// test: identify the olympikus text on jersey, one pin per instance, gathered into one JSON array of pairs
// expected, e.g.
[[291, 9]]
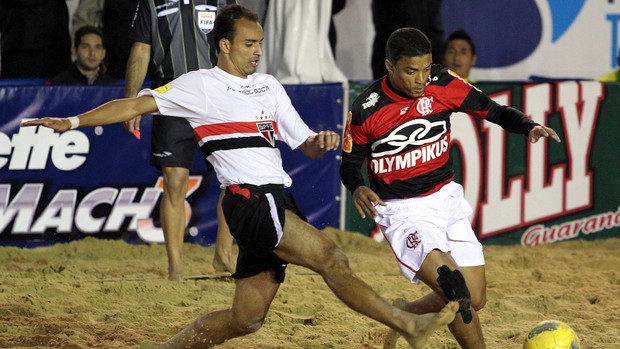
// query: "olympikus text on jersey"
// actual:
[[236, 122], [406, 141]]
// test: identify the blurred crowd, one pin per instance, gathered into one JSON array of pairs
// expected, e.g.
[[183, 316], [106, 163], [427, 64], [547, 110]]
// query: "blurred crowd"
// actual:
[[38, 38]]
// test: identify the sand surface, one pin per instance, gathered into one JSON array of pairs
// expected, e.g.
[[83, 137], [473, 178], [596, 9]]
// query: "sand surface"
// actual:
[[109, 294]]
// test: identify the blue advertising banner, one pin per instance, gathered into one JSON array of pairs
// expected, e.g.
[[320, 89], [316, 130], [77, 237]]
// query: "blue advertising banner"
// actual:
[[96, 181]]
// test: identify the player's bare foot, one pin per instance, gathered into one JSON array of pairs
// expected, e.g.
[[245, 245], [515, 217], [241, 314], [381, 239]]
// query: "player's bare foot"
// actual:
[[150, 345], [392, 336], [426, 324], [224, 262], [175, 274]]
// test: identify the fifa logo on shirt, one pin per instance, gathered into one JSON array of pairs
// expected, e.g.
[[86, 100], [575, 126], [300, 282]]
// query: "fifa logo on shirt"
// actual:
[[425, 105], [267, 130]]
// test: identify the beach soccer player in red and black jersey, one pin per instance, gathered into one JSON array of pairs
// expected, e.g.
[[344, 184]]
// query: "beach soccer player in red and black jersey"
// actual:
[[400, 127]]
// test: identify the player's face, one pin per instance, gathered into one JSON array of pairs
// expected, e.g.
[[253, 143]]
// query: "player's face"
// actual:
[[409, 75], [90, 52], [459, 57], [246, 47]]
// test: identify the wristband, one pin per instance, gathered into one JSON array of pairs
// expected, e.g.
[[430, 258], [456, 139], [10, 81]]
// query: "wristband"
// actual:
[[75, 122]]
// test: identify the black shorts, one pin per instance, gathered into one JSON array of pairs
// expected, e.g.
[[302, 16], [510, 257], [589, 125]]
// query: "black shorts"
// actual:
[[173, 143], [255, 216]]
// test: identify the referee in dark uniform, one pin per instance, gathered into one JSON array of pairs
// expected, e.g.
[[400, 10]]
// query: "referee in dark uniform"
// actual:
[[173, 38]]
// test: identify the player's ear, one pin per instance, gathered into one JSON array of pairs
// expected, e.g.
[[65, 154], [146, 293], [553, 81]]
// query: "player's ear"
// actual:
[[389, 66], [225, 45]]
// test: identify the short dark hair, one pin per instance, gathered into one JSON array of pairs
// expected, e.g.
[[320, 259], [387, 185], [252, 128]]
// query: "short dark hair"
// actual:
[[87, 29], [408, 42], [461, 34], [227, 16]]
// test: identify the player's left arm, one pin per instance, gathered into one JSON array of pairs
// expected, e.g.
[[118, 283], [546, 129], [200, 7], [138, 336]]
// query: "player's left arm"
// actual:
[[513, 120], [319, 144]]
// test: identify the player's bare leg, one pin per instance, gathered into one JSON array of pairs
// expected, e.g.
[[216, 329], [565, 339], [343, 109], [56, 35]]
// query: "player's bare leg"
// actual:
[[172, 215], [468, 335], [223, 260], [251, 302], [392, 336], [304, 245]]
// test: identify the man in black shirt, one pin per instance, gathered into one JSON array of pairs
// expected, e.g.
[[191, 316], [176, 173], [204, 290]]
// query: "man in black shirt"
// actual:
[[174, 37], [88, 68]]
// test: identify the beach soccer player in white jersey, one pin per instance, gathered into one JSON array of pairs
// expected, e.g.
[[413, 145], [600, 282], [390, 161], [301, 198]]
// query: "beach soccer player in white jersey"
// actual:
[[237, 115]]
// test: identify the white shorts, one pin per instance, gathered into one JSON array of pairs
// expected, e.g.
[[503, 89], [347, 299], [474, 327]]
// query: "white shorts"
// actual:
[[414, 227]]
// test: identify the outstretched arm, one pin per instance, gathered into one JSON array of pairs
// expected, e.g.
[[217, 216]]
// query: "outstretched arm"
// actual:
[[317, 145], [118, 110]]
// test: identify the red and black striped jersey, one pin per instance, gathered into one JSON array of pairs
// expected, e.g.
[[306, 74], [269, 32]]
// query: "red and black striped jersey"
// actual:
[[405, 141]]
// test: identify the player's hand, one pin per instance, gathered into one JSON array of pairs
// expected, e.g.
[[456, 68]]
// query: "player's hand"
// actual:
[[328, 140], [57, 124], [365, 201], [542, 131], [133, 126], [317, 145]]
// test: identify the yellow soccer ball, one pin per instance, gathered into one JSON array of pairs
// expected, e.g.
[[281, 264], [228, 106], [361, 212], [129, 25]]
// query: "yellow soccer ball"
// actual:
[[551, 334]]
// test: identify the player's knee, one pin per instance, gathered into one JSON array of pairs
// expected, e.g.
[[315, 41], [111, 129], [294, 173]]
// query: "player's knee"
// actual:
[[478, 300], [175, 180], [334, 259]]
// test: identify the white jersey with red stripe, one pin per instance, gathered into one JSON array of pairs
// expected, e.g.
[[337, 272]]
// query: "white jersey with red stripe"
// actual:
[[237, 122]]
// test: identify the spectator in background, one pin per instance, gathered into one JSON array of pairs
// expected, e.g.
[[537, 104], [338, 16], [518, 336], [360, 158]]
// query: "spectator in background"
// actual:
[[114, 18], [389, 15], [160, 38], [35, 38], [613, 75], [337, 6], [88, 67], [460, 54]]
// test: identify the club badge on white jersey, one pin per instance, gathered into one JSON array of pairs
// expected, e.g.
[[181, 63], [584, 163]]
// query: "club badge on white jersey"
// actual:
[[267, 130]]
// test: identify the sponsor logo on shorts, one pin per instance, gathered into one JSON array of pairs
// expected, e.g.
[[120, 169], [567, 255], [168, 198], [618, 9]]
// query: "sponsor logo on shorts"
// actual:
[[413, 240], [163, 154]]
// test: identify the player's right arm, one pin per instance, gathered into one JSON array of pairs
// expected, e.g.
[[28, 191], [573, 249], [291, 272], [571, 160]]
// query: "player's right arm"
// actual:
[[118, 110], [353, 156], [137, 66]]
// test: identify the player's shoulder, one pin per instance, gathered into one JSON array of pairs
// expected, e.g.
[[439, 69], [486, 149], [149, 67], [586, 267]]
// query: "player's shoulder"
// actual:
[[369, 97], [441, 76]]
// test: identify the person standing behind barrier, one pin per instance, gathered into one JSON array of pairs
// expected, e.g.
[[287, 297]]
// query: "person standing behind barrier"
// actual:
[[35, 39], [88, 67], [389, 15], [459, 54], [114, 18], [175, 38], [400, 126]]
